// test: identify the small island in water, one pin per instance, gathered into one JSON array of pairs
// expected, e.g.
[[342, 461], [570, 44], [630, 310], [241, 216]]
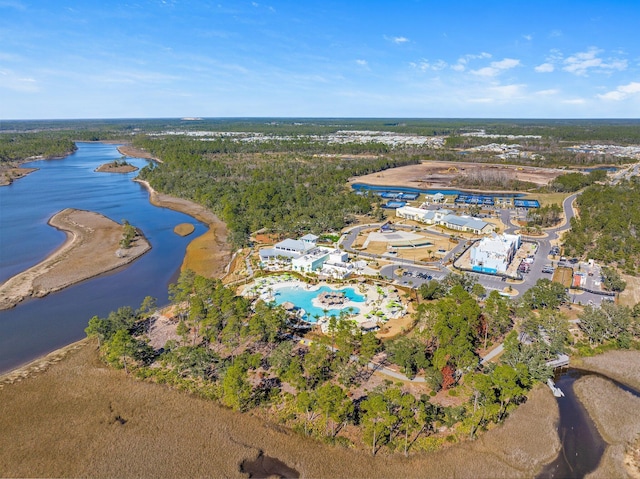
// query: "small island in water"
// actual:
[[95, 244], [184, 229], [117, 166]]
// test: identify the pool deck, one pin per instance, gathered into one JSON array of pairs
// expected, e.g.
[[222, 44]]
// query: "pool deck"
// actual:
[[374, 306]]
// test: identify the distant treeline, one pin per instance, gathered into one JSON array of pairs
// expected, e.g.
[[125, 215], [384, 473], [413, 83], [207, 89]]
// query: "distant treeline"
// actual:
[[625, 131], [19, 147]]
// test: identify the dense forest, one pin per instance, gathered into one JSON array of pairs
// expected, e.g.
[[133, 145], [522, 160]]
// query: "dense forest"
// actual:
[[609, 225], [18, 147], [283, 192], [247, 356]]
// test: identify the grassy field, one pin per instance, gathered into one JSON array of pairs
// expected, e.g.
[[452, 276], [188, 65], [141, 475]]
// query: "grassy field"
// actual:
[[79, 418], [547, 199], [563, 276], [631, 295]]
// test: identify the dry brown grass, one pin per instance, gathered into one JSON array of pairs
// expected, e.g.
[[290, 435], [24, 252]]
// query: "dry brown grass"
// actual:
[[564, 276], [80, 418], [623, 366], [631, 295], [611, 465], [613, 410]]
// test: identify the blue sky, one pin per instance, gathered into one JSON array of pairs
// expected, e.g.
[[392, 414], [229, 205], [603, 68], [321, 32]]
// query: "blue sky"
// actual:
[[396, 58]]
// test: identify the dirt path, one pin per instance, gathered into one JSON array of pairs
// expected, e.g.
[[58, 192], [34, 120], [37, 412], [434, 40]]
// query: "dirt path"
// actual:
[[442, 174], [92, 247]]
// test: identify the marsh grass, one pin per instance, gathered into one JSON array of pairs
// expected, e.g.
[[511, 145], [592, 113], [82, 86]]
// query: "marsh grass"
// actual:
[[623, 366], [79, 418], [614, 411]]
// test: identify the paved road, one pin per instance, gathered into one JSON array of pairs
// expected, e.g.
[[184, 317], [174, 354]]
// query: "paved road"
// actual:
[[419, 272]]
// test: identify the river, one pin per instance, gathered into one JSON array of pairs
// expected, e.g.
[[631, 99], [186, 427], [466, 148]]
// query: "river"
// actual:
[[39, 326], [582, 444]]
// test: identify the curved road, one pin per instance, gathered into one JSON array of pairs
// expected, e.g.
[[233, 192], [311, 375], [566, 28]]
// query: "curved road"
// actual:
[[416, 273]]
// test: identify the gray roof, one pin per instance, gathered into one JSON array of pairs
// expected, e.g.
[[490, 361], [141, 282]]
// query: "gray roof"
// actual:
[[309, 237], [471, 223], [291, 244], [476, 224]]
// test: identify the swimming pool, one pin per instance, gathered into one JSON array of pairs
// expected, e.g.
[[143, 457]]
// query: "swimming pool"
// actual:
[[302, 298]]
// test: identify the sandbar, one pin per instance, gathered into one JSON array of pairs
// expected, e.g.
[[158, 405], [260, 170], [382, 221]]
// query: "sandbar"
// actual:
[[92, 247], [8, 175], [209, 254], [133, 152], [184, 229]]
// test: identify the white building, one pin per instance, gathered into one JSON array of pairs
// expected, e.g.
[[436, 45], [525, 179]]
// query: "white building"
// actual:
[[467, 224], [305, 256], [430, 217], [290, 248], [445, 218], [494, 253], [337, 266], [311, 260]]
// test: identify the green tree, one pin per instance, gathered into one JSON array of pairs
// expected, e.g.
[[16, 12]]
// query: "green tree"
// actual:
[[377, 420], [236, 390], [545, 294]]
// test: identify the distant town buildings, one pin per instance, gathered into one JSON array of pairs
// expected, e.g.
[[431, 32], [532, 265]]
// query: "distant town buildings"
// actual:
[[494, 253]]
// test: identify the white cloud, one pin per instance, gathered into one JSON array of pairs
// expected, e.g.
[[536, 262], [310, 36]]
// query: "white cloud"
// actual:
[[575, 101], [544, 68], [496, 68], [362, 63], [549, 92], [13, 81], [528, 37], [425, 65], [396, 40], [505, 92], [463, 61], [622, 92], [583, 62]]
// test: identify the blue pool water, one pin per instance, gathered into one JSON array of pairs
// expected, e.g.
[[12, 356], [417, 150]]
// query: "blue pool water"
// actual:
[[302, 299]]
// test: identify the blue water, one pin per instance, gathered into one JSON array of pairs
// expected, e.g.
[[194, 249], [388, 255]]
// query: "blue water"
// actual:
[[38, 326], [428, 191], [302, 299]]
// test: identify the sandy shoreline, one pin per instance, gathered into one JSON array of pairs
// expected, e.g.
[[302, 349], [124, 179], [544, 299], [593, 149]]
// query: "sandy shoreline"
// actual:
[[210, 253], [91, 248], [133, 152]]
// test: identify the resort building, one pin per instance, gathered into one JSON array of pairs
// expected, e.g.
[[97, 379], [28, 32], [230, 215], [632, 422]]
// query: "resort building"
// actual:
[[467, 224], [337, 266], [430, 217], [445, 218], [494, 253], [305, 256], [290, 248], [311, 261]]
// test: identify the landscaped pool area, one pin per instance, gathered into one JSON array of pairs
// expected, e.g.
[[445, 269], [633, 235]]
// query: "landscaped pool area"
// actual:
[[304, 299], [369, 305]]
